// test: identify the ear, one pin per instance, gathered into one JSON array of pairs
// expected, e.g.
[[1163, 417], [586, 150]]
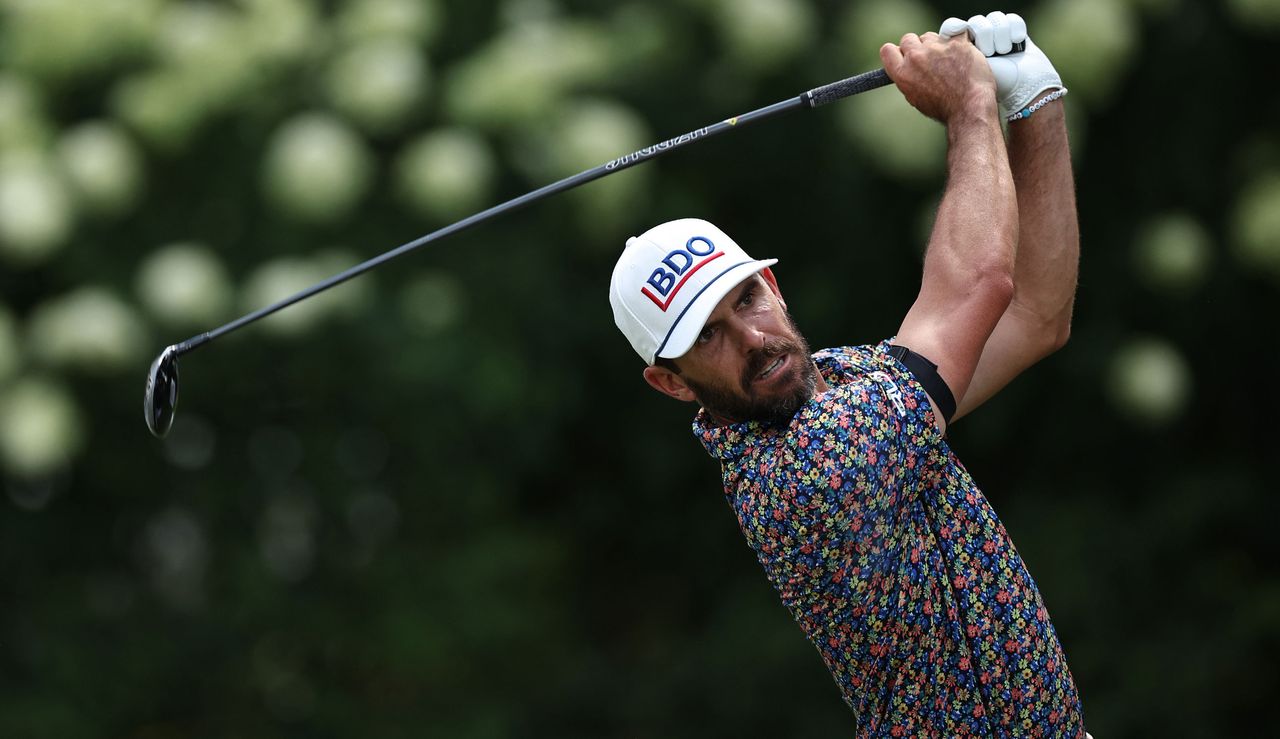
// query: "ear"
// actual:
[[668, 383], [772, 282]]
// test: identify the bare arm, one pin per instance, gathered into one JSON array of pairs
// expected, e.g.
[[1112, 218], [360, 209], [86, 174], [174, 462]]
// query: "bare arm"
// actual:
[[968, 270], [1038, 320]]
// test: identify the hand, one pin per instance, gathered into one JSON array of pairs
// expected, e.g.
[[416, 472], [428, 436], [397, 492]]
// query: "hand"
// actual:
[[939, 77], [1020, 77]]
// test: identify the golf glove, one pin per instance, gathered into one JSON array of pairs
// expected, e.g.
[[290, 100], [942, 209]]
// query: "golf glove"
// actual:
[[1020, 77]]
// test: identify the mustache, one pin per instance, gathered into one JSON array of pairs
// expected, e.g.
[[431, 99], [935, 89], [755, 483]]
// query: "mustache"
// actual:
[[772, 349]]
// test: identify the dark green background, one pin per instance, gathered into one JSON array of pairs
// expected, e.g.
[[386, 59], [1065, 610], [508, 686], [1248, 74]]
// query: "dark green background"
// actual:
[[499, 530]]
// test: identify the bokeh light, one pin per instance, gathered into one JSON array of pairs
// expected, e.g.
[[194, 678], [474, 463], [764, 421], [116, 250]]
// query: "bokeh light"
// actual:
[[895, 138], [586, 134], [867, 26], [522, 75], [205, 51], [1090, 43], [446, 174], [10, 349], [36, 214], [282, 32], [197, 33], [379, 83], [184, 283], [211, 58], [415, 20], [160, 106], [761, 34], [58, 39], [279, 278], [102, 165], [40, 427], [1150, 381], [1256, 223], [22, 117], [89, 329], [317, 168], [1172, 253], [1254, 14]]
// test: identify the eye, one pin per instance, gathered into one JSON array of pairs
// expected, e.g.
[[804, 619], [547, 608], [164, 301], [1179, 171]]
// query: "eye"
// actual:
[[707, 334], [747, 296]]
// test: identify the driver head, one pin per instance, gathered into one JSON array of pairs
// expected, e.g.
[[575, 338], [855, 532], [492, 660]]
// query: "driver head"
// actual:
[[161, 398]]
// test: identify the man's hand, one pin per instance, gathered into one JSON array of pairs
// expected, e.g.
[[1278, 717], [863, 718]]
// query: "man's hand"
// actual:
[[1020, 77], [940, 77]]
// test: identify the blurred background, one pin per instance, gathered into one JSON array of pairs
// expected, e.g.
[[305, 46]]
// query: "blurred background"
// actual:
[[440, 500]]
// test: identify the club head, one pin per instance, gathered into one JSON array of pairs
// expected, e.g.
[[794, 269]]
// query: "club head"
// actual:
[[161, 398]]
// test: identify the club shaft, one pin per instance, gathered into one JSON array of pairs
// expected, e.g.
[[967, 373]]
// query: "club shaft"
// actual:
[[813, 98]]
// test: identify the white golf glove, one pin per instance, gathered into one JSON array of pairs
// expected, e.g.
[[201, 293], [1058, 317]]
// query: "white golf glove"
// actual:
[[1020, 77]]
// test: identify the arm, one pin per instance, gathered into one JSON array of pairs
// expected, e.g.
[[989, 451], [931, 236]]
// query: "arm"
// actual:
[[1038, 320], [968, 270]]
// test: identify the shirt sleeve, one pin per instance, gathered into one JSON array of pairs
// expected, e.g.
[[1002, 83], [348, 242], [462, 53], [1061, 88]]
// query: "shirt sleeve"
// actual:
[[909, 384]]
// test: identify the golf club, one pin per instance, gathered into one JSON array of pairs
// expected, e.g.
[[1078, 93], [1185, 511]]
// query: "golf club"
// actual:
[[161, 396]]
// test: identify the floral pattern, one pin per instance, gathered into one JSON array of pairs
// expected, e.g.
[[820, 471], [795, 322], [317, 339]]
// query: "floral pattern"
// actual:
[[893, 562]]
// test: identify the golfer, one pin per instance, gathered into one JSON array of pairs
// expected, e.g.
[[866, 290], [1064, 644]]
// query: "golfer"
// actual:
[[836, 463]]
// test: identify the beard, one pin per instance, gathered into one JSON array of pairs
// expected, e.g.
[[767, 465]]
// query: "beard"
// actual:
[[723, 401]]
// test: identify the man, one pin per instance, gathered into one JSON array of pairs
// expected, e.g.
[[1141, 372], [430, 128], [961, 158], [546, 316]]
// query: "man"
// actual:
[[876, 538]]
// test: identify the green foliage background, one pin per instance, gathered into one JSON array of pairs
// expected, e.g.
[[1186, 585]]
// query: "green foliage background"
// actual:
[[444, 503]]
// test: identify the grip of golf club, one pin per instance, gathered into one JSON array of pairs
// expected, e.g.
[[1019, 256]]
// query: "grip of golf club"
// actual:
[[860, 83], [844, 88]]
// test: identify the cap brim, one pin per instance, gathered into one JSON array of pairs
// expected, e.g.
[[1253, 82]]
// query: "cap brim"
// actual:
[[689, 324]]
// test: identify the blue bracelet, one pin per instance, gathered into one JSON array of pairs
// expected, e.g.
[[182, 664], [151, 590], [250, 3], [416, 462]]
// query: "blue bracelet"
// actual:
[[1037, 105]]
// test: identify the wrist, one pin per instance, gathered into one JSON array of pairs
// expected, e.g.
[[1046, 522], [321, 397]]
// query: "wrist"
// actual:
[[1044, 104], [976, 107]]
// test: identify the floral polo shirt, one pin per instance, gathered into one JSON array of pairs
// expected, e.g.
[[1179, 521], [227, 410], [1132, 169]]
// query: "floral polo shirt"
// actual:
[[893, 562]]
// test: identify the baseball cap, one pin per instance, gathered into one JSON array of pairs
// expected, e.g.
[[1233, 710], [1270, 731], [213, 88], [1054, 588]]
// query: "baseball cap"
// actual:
[[669, 279]]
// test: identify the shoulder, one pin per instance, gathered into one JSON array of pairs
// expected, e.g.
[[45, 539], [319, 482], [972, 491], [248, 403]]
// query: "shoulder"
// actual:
[[841, 363], [845, 363], [869, 386]]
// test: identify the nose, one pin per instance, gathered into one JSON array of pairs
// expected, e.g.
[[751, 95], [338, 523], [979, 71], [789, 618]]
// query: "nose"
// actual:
[[750, 336]]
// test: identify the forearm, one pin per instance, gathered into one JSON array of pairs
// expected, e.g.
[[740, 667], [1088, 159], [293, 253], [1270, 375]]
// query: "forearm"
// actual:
[[1038, 319], [975, 233], [1044, 276]]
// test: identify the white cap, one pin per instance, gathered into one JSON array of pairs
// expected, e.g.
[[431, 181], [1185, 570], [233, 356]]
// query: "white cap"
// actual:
[[669, 279]]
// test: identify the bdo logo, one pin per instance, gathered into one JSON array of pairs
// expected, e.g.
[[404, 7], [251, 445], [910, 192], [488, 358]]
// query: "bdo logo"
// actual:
[[676, 268]]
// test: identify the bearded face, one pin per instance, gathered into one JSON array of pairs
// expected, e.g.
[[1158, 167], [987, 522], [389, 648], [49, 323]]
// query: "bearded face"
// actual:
[[749, 363], [772, 384]]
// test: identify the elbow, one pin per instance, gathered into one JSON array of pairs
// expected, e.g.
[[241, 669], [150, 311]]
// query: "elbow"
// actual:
[[1060, 334], [1052, 336], [1058, 329], [993, 276], [995, 285]]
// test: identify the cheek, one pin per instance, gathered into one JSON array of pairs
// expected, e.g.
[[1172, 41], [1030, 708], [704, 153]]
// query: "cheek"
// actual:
[[714, 372], [774, 323]]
